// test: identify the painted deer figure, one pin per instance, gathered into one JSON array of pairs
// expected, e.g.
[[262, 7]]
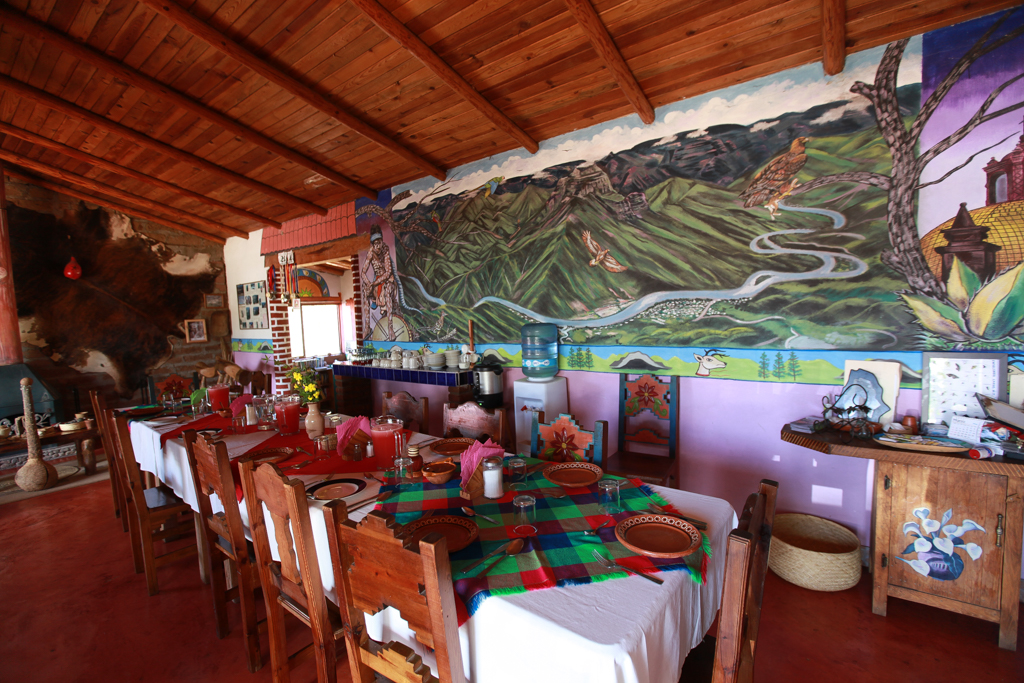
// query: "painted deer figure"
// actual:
[[708, 362]]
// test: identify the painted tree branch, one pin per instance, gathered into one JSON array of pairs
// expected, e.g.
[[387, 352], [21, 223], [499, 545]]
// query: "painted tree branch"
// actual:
[[859, 177], [979, 117], [978, 50], [963, 165]]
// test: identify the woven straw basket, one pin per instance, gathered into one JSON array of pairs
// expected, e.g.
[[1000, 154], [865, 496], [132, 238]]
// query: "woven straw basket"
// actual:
[[814, 553]]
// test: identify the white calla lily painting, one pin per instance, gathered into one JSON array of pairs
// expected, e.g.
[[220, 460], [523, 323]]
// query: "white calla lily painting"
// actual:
[[937, 555]]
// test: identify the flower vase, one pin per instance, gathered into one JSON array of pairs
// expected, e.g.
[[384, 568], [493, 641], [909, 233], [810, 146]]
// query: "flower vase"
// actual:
[[314, 421]]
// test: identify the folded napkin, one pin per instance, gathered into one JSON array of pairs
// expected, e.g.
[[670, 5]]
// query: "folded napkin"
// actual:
[[347, 429], [239, 404], [474, 455]]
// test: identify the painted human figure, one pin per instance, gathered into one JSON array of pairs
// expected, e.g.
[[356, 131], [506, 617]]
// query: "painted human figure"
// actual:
[[383, 288]]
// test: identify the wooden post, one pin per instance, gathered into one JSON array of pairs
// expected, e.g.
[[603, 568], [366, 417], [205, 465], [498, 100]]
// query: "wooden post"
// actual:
[[10, 335]]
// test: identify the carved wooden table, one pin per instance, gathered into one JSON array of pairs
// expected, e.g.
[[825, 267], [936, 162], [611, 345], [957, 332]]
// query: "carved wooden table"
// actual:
[[946, 530], [84, 440]]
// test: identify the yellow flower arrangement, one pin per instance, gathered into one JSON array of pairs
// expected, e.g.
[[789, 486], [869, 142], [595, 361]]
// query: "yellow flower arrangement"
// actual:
[[303, 382]]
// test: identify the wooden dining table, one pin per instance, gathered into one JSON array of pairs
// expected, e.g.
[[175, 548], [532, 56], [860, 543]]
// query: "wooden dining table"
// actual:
[[622, 630]]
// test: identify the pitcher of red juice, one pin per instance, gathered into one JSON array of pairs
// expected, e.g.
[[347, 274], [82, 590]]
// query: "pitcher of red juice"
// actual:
[[219, 397], [383, 431], [287, 410]]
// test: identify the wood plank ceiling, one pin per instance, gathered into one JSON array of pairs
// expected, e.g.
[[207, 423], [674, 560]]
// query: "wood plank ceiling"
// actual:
[[220, 117]]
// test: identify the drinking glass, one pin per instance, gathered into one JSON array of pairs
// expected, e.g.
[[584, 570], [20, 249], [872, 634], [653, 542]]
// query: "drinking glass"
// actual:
[[525, 515], [218, 394], [264, 412], [403, 477], [517, 474], [608, 498], [238, 424], [287, 410]]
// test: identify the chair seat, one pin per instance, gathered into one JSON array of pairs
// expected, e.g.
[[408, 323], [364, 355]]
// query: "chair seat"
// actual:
[[161, 497], [654, 469]]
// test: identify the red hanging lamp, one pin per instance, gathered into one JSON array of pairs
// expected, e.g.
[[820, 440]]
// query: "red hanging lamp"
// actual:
[[72, 270]]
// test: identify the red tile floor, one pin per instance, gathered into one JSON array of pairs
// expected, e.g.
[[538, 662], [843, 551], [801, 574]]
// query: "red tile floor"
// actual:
[[72, 609]]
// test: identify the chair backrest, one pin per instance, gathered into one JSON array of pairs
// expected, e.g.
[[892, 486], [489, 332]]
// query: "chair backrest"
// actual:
[[648, 412], [258, 383], [99, 409], [470, 420], [211, 473], [131, 475], [414, 412], [564, 439], [296, 576], [375, 566], [746, 563]]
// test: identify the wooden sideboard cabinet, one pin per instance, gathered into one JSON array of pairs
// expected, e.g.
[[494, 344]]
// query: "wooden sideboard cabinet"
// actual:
[[946, 530]]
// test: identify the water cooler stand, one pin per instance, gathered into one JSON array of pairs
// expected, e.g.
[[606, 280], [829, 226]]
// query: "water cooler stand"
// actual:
[[550, 396]]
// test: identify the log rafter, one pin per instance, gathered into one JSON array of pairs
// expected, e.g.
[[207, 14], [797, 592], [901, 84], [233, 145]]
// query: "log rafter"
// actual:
[[833, 36], [277, 76], [111, 191], [140, 80], [13, 172], [63, 106], [99, 162], [601, 40], [412, 43]]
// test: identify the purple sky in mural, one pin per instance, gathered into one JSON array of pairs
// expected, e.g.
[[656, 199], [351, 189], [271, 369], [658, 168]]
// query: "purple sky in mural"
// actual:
[[941, 49]]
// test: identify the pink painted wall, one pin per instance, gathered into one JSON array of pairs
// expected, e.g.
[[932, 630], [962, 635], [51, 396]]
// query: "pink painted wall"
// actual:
[[249, 360]]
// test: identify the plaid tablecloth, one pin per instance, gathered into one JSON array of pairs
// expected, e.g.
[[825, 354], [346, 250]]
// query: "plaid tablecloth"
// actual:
[[560, 554]]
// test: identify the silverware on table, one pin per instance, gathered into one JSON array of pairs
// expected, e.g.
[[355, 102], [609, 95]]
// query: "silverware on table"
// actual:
[[593, 532], [484, 558], [612, 564], [513, 549], [376, 499], [473, 513], [298, 466]]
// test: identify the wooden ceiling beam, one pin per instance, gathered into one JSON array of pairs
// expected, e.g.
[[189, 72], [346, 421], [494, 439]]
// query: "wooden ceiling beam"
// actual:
[[597, 33], [132, 211], [398, 32], [218, 41], [833, 36], [111, 191], [57, 104], [328, 251], [98, 162], [43, 32]]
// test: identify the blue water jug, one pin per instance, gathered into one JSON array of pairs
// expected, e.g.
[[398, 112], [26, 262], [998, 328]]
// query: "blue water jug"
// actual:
[[540, 351]]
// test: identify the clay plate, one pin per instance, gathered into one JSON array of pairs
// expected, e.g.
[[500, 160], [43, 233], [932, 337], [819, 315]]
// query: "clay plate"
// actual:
[[658, 535], [573, 474], [928, 444], [335, 489], [450, 447], [459, 531], [143, 412]]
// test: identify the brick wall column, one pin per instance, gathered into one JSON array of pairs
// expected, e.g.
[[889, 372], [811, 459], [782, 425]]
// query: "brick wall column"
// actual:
[[280, 332], [357, 295]]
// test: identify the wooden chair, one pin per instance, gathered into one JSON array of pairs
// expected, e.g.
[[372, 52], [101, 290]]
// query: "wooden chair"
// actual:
[[746, 563], [99, 409], [564, 439], [258, 382], [376, 566], [648, 421], [157, 514], [292, 585], [414, 413], [224, 537], [470, 420]]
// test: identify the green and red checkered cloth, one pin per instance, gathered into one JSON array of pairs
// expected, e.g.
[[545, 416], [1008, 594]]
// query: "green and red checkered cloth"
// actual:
[[558, 555]]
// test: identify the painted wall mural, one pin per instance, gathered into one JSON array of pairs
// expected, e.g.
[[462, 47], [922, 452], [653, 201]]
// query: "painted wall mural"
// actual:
[[782, 215], [132, 297]]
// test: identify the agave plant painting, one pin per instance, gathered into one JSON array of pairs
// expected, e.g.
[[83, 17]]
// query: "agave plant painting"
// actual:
[[974, 312], [937, 556]]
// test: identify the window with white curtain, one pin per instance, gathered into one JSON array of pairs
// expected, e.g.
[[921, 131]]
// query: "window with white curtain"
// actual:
[[315, 329]]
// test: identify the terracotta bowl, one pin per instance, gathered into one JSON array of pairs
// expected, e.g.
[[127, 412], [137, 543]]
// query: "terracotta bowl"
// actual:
[[439, 472]]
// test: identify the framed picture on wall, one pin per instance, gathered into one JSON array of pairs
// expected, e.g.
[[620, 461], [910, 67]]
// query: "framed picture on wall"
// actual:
[[214, 301], [252, 306], [949, 382], [195, 331]]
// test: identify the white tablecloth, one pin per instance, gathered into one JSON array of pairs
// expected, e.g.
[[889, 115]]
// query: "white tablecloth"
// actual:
[[621, 631]]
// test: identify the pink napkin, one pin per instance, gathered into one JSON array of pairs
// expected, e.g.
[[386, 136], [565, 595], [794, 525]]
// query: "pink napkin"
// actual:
[[239, 404], [474, 455], [347, 429]]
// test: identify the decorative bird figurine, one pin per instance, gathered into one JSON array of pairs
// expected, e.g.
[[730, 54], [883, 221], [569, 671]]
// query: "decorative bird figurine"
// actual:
[[601, 256], [777, 179]]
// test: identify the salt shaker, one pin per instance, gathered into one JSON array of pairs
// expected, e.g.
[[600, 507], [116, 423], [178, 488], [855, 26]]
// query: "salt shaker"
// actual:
[[493, 485]]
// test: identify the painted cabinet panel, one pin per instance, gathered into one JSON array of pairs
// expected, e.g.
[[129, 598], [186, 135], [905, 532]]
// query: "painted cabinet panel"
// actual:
[[942, 536]]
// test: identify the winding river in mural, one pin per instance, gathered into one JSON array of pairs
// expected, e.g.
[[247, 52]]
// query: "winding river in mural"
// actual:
[[755, 283]]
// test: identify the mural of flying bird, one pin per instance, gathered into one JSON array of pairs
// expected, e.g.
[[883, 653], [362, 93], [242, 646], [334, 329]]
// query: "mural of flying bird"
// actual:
[[601, 256], [777, 179]]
